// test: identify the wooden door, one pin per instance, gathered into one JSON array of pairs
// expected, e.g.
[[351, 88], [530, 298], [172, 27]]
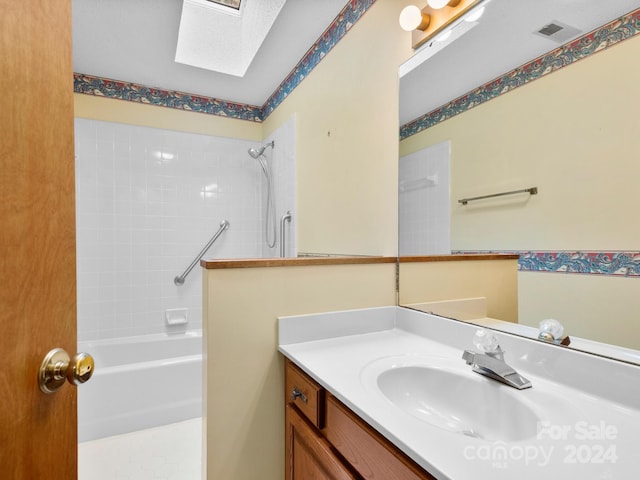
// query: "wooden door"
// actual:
[[38, 438], [308, 455]]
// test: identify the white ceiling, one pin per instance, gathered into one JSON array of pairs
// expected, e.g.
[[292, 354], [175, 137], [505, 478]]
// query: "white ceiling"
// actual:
[[135, 41]]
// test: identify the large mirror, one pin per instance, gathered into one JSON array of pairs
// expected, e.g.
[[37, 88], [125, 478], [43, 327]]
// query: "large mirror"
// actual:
[[572, 134]]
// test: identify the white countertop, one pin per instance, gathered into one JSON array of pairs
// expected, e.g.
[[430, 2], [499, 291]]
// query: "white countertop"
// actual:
[[586, 434]]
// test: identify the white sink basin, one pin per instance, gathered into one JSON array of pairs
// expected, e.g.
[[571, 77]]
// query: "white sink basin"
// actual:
[[459, 401]]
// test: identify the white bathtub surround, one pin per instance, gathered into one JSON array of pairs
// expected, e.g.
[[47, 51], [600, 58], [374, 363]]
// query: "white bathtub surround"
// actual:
[[147, 201], [140, 382], [170, 452], [586, 408]]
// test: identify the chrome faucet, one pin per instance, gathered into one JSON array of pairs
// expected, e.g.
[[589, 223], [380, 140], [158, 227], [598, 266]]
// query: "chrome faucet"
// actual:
[[491, 363]]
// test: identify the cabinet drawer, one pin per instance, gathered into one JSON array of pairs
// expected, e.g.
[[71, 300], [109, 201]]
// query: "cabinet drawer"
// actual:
[[368, 452], [305, 394]]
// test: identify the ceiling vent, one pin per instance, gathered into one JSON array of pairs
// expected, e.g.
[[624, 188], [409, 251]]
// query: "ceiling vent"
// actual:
[[558, 32]]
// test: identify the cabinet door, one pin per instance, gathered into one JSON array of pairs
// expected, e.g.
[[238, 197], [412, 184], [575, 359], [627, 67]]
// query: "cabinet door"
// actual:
[[308, 455]]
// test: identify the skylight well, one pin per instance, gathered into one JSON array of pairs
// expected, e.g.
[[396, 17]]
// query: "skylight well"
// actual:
[[224, 35]]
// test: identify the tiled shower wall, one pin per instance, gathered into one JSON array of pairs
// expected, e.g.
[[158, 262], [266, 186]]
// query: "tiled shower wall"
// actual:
[[424, 210], [147, 201]]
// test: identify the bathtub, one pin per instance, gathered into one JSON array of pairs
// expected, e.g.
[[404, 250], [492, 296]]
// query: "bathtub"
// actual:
[[140, 382]]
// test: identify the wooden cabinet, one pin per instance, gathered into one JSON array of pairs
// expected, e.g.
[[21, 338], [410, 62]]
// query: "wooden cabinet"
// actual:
[[326, 440], [309, 455]]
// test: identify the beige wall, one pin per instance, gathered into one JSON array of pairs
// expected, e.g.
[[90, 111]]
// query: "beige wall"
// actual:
[[113, 110], [346, 165], [347, 136], [244, 372], [347, 156], [612, 305], [574, 134], [496, 280], [347, 139]]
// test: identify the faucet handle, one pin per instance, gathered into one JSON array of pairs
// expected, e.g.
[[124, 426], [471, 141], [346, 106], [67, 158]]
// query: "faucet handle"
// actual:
[[486, 342], [552, 331]]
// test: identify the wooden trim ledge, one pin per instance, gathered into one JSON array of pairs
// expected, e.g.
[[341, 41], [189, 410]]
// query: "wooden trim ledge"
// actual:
[[460, 257], [338, 260], [291, 262]]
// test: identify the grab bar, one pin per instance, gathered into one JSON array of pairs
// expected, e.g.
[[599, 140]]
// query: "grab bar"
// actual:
[[532, 191], [285, 218], [179, 280]]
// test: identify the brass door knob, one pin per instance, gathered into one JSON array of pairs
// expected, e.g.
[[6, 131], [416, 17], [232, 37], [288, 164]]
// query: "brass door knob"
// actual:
[[57, 367]]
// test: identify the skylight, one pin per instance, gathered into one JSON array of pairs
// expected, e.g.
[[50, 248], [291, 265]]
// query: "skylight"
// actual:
[[217, 36]]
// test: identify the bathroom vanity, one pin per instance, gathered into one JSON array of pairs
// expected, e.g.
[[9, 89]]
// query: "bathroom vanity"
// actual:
[[383, 393], [325, 439]]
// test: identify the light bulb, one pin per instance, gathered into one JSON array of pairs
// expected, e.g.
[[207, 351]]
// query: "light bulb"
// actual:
[[410, 18], [437, 4], [474, 15]]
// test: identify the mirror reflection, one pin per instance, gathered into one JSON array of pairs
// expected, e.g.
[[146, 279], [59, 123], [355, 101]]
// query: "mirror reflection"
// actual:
[[571, 134]]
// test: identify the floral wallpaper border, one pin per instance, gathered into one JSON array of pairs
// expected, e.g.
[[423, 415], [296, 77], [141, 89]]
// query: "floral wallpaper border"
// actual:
[[603, 37], [609, 262], [617, 263], [132, 92]]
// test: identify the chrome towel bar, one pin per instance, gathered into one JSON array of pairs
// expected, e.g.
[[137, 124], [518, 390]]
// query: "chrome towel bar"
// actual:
[[179, 280], [532, 191]]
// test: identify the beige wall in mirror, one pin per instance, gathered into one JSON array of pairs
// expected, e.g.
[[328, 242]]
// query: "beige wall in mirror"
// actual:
[[575, 135]]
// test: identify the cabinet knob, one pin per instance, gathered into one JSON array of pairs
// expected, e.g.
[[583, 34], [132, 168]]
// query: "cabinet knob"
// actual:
[[298, 394]]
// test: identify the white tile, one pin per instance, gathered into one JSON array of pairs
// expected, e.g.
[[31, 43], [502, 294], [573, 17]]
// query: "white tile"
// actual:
[[123, 150], [149, 199]]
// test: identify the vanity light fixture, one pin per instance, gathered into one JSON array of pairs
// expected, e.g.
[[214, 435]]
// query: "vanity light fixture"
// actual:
[[436, 17], [444, 37], [438, 4]]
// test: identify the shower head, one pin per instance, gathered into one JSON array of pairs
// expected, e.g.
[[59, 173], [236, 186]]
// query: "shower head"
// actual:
[[255, 153]]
